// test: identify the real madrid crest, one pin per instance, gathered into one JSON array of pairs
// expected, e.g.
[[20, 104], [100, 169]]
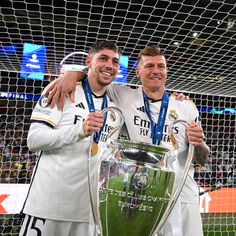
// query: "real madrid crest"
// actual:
[[173, 115], [43, 101]]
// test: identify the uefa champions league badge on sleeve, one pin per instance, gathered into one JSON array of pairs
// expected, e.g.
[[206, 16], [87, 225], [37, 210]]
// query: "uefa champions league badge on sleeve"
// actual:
[[43, 101]]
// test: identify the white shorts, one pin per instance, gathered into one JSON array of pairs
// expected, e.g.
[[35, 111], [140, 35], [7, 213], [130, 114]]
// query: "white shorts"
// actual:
[[34, 226], [173, 224], [192, 221], [184, 220]]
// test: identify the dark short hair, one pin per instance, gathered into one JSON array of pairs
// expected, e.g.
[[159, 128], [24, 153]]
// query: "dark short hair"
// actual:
[[152, 51], [104, 44]]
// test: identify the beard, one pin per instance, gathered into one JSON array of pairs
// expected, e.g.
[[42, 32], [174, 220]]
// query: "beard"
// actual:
[[104, 81]]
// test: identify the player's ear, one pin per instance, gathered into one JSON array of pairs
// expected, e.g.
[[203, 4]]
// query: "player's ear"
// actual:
[[137, 72], [88, 61]]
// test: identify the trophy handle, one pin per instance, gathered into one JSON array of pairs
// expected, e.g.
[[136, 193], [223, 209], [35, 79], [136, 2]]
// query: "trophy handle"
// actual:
[[176, 193], [111, 109], [94, 206]]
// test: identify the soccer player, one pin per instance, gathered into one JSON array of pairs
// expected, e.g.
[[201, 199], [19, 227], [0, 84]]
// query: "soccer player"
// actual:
[[148, 112], [58, 202]]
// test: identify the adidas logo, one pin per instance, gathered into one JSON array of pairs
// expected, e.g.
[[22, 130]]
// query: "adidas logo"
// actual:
[[81, 105], [141, 109]]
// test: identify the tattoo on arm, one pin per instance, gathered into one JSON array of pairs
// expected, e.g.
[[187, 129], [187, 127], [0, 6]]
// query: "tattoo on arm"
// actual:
[[201, 154]]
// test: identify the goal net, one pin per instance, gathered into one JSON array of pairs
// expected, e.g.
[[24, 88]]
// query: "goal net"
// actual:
[[198, 38]]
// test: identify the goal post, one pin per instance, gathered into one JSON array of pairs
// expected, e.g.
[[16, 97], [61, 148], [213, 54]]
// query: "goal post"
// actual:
[[198, 39]]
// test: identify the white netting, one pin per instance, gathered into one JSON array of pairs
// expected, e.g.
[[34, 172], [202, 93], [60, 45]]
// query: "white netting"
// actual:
[[204, 62], [201, 65]]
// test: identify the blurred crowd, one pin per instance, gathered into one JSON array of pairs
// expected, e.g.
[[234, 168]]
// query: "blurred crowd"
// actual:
[[221, 169], [220, 173], [17, 162]]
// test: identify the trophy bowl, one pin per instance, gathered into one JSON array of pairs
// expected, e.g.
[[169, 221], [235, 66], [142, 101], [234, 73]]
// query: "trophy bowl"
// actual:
[[134, 189]]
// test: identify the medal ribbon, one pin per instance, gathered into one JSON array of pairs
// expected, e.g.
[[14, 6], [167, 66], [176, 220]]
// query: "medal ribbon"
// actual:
[[89, 99], [157, 129]]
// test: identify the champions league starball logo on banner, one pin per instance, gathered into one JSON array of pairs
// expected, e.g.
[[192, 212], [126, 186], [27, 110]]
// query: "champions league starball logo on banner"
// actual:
[[33, 61]]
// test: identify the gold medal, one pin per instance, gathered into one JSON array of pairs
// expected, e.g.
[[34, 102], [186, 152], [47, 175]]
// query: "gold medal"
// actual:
[[94, 149]]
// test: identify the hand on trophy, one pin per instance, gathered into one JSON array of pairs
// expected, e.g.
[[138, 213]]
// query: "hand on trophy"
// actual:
[[93, 123], [195, 134], [196, 139]]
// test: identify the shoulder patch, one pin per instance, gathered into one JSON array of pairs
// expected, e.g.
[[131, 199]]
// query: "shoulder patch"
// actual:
[[43, 101]]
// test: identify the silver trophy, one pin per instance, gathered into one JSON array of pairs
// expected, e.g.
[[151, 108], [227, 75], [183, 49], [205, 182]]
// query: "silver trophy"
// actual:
[[133, 191]]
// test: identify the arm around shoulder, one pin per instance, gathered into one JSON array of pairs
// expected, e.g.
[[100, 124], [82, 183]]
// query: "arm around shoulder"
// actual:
[[63, 86]]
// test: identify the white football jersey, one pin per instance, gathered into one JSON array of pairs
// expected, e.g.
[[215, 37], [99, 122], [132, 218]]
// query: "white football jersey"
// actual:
[[130, 101], [59, 186]]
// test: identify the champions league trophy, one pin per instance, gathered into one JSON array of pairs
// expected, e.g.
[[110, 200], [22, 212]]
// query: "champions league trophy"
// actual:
[[133, 193]]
